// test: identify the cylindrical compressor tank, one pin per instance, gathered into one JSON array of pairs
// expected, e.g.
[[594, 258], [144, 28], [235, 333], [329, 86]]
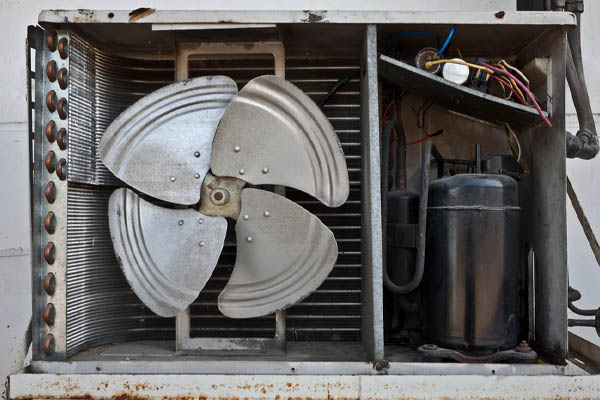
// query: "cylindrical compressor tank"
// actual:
[[470, 285]]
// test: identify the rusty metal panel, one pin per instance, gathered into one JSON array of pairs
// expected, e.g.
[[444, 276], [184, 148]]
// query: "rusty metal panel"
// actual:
[[166, 387]]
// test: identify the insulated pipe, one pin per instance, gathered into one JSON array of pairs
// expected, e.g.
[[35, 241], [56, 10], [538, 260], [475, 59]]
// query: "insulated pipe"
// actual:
[[420, 267]]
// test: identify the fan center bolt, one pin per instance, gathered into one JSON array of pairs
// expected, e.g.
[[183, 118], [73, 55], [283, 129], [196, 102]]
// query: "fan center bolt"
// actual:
[[219, 196]]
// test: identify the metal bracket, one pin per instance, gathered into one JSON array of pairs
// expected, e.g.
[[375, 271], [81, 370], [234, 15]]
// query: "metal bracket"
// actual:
[[521, 353], [183, 340]]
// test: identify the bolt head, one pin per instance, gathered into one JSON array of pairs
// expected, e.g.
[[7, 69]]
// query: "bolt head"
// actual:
[[236, 149], [202, 243], [242, 171], [197, 175], [201, 221], [265, 170], [245, 217], [196, 154], [249, 239], [172, 179], [266, 213], [180, 222]]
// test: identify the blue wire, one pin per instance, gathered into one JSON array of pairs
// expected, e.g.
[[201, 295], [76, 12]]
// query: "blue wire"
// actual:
[[393, 35], [447, 42]]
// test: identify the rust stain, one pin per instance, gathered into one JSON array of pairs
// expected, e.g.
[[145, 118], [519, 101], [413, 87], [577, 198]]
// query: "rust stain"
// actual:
[[85, 20], [315, 16], [500, 14], [140, 13]]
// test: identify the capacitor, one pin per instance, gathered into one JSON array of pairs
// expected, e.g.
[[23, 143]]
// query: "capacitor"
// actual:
[[424, 56], [457, 73]]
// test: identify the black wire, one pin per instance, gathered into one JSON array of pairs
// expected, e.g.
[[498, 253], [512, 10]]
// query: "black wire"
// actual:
[[422, 112], [342, 82]]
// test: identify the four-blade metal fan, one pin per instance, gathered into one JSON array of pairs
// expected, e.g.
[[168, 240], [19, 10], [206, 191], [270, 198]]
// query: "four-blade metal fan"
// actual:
[[164, 146]]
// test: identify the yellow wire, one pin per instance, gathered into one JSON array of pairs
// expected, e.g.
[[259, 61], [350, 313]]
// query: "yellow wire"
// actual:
[[516, 70], [516, 151], [430, 63], [459, 52], [512, 81]]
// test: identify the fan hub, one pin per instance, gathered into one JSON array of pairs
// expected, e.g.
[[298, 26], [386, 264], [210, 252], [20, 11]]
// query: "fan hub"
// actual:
[[220, 196]]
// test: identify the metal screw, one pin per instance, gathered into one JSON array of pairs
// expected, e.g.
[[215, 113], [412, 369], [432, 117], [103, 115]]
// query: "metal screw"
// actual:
[[173, 179], [249, 239], [200, 221], [245, 217], [180, 222], [242, 172], [202, 243], [197, 154], [197, 175], [265, 170], [266, 213], [236, 149]]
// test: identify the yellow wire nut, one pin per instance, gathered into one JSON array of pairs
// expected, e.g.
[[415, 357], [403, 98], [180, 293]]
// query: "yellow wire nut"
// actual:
[[480, 67]]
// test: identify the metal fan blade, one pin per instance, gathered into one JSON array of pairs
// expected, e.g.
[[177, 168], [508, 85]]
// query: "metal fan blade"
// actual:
[[273, 133], [166, 255], [161, 145], [284, 253]]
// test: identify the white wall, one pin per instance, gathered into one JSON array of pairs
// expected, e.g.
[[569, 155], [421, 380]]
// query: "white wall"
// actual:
[[15, 15]]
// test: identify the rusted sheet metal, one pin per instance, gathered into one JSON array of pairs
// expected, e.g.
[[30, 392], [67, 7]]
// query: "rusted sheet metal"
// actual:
[[166, 387]]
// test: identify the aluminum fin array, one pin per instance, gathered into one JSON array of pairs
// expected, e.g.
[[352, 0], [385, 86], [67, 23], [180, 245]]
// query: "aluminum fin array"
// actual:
[[161, 145], [166, 255], [270, 133], [284, 253], [273, 133]]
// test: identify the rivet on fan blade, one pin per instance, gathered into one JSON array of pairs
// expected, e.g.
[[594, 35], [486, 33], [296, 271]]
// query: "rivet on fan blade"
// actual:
[[245, 217], [265, 170], [202, 243], [49, 253], [197, 175], [197, 154], [172, 179], [249, 239], [236, 149], [200, 221], [49, 345], [180, 222], [51, 131], [50, 222], [49, 314], [51, 70], [50, 192], [242, 172], [266, 213], [50, 283]]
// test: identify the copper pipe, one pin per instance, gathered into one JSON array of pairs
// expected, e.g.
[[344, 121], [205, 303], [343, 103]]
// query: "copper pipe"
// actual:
[[63, 48], [50, 161], [61, 169], [49, 344], [51, 70], [52, 40], [49, 314], [50, 192], [50, 131], [51, 101], [61, 138], [63, 78], [50, 222], [63, 108], [49, 253], [50, 283]]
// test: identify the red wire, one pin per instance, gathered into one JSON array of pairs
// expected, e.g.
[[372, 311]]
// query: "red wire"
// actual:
[[424, 138], [502, 82], [387, 110]]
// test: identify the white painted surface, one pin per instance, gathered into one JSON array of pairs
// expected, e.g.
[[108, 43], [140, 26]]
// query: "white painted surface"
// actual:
[[15, 15]]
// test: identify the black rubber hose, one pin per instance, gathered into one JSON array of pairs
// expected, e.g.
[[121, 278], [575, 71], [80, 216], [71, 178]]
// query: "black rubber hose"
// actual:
[[584, 145], [421, 228]]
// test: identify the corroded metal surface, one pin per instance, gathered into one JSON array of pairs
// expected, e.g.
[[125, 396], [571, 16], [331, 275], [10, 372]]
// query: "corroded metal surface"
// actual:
[[188, 387], [161, 145], [221, 196], [273, 133], [284, 253], [167, 255]]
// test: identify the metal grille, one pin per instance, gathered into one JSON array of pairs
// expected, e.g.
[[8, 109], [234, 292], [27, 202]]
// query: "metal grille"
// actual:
[[101, 308]]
